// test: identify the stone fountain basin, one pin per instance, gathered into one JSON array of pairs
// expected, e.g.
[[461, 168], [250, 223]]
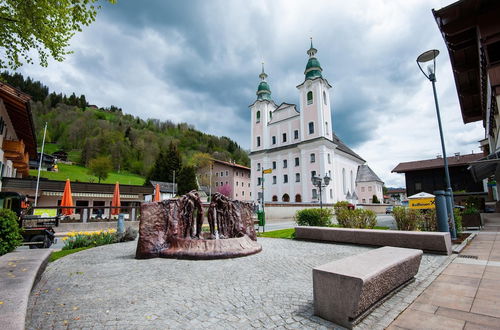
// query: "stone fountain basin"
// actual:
[[206, 249]]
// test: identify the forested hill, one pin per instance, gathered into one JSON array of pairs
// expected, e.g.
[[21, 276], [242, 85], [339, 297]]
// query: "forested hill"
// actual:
[[133, 144]]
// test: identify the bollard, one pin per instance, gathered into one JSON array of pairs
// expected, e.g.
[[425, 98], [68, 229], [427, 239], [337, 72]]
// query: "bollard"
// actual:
[[120, 226], [451, 216], [441, 211]]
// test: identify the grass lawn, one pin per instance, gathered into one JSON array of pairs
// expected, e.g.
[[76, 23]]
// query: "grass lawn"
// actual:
[[80, 173], [282, 233], [59, 254]]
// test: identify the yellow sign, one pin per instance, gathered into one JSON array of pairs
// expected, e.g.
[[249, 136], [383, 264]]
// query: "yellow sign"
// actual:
[[422, 203], [268, 171], [45, 212]]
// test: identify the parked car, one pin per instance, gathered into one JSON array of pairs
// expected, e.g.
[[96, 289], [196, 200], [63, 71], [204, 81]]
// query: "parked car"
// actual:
[[389, 209]]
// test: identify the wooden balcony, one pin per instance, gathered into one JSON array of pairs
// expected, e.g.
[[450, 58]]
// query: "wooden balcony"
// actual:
[[13, 150], [23, 163]]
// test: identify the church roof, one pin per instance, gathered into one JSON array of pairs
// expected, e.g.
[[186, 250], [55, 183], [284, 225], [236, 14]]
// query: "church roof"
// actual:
[[366, 174], [343, 147]]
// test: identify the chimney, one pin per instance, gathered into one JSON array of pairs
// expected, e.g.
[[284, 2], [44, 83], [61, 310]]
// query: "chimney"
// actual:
[[439, 156], [457, 154]]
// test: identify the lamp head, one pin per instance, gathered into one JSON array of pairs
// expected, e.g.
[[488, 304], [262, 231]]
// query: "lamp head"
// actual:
[[428, 58], [327, 179]]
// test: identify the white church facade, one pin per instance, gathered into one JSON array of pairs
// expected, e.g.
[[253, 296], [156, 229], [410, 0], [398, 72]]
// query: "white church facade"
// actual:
[[298, 142]]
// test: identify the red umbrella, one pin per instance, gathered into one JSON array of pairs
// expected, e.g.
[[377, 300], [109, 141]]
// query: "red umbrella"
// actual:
[[67, 199], [116, 200], [157, 193]]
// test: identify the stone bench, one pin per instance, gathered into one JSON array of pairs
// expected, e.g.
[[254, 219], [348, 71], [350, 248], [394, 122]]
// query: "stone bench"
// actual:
[[344, 290], [433, 242]]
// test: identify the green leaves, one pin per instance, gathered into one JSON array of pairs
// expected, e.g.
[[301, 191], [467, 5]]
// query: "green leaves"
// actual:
[[10, 233], [44, 26]]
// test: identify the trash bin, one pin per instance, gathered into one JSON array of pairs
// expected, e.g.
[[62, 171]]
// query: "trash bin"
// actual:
[[261, 216]]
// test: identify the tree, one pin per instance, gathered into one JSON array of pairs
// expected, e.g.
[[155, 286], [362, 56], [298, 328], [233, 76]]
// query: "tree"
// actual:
[[186, 180], [46, 26], [100, 167], [166, 163], [375, 200], [202, 163]]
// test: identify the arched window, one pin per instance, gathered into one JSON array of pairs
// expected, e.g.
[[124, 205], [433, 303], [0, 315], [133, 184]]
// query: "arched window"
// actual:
[[326, 128], [285, 198], [344, 186], [275, 198], [298, 198], [311, 128], [258, 116], [324, 97], [309, 97], [352, 182]]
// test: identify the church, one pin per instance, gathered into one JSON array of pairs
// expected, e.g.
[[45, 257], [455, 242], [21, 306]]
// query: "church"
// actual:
[[290, 144]]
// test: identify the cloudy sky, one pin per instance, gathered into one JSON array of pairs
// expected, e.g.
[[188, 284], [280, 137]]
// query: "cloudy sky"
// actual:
[[198, 62]]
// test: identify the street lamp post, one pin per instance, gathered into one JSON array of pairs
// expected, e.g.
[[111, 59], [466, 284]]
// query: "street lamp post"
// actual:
[[429, 58], [320, 183]]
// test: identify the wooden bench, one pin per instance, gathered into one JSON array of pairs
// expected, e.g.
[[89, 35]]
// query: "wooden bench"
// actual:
[[346, 289]]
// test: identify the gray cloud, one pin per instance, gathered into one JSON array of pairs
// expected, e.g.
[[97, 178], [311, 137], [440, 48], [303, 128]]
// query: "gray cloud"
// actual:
[[198, 61]]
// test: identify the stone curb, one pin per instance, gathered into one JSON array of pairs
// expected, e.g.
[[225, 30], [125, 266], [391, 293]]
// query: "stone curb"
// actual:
[[457, 249], [19, 272]]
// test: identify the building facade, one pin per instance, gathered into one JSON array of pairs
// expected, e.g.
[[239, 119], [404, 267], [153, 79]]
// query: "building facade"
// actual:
[[228, 178], [368, 184], [428, 175], [294, 143], [17, 133]]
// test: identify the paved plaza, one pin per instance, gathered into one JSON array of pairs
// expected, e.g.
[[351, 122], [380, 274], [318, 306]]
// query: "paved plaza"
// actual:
[[106, 287]]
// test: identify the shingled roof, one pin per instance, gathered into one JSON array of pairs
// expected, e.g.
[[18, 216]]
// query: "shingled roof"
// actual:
[[366, 174], [436, 163]]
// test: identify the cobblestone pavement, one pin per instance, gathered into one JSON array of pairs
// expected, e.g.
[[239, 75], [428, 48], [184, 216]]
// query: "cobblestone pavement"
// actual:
[[106, 287]]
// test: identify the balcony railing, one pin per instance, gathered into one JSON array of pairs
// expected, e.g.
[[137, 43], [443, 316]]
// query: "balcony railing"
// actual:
[[13, 150], [22, 164]]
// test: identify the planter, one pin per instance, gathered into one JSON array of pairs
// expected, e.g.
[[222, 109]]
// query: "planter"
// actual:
[[471, 220]]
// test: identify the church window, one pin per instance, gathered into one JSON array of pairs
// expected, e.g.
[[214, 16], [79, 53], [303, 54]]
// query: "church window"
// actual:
[[343, 181], [364, 200], [236, 183], [259, 181], [285, 178], [313, 158], [258, 141], [275, 198], [258, 116], [352, 182], [274, 179], [324, 97], [314, 194], [274, 165], [285, 198], [297, 162], [242, 193], [326, 128], [270, 115], [313, 174], [298, 198], [329, 159], [309, 97], [331, 193], [284, 137], [258, 166], [285, 163], [370, 188], [297, 177], [296, 134], [311, 128], [274, 139]]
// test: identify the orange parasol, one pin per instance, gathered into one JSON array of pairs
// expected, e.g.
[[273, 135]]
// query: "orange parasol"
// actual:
[[116, 200], [67, 199], [157, 193]]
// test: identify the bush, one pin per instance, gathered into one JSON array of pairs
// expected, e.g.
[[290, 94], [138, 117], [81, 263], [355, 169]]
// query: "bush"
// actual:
[[375, 199], [458, 220], [314, 217], [407, 219], [10, 232], [89, 239], [358, 218], [340, 206]]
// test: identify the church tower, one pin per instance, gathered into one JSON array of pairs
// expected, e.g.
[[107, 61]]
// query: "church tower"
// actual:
[[261, 112], [315, 115]]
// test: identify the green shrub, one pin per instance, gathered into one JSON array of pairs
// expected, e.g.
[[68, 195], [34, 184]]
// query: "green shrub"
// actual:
[[407, 219], [469, 210], [375, 199], [10, 232], [314, 217], [340, 206], [458, 220], [358, 218], [89, 239]]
